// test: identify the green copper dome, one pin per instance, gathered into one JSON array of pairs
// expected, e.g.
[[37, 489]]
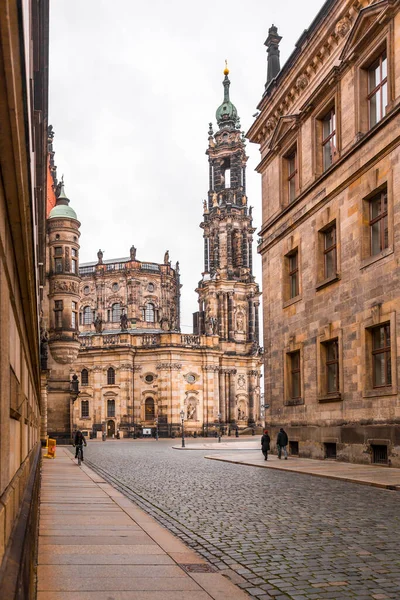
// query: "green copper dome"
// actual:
[[226, 113], [62, 208], [62, 211]]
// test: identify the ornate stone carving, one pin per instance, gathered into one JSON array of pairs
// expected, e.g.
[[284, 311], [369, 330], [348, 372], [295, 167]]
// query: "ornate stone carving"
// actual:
[[214, 368], [253, 372], [169, 366], [136, 368], [302, 82], [241, 382], [64, 286], [343, 27]]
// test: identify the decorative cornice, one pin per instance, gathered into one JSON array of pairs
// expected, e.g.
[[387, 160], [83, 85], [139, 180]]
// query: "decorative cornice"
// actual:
[[261, 131], [169, 366]]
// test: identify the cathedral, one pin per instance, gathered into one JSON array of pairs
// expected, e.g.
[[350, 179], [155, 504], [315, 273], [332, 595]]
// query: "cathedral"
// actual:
[[114, 360]]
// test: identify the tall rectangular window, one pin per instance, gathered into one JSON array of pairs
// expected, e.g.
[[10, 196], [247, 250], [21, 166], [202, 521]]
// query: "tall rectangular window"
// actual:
[[84, 408], [377, 89], [73, 266], [378, 223], [291, 161], [58, 265], [328, 138], [58, 311], [295, 376], [74, 315], [330, 252], [381, 356], [293, 274], [332, 366]]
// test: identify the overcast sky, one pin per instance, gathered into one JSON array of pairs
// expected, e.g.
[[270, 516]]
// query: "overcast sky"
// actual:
[[133, 86]]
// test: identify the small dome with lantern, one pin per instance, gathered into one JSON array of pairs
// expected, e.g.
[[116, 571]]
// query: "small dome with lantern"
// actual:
[[62, 209]]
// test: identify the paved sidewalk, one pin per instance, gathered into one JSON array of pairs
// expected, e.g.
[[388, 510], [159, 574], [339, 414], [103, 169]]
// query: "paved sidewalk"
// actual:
[[382, 477], [95, 544]]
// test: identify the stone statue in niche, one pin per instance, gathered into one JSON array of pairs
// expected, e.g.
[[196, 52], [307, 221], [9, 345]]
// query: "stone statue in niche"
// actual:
[[100, 257], [98, 324], [214, 199], [240, 322], [191, 412], [124, 321]]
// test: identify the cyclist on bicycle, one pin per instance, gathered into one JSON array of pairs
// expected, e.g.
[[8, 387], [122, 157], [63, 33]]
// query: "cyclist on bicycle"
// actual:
[[79, 441]]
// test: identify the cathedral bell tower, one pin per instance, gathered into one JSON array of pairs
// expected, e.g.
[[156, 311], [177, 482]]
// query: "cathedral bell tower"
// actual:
[[228, 294]]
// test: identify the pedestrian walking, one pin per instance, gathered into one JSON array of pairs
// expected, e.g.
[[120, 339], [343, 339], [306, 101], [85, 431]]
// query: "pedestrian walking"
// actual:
[[281, 442], [265, 442]]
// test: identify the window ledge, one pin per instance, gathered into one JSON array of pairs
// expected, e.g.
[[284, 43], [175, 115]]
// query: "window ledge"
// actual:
[[327, 281], [383, 391], [14, 414], [294, 402], [292, 301], [337, 397], [373, 259]]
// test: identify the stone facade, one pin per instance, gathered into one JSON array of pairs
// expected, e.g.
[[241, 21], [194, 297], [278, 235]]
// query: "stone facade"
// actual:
[[119, 333], [328, 131], [23, 133]]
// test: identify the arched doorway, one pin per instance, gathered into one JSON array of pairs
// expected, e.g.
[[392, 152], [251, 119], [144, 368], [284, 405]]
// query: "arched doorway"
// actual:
[[149, 412], [110, 428]]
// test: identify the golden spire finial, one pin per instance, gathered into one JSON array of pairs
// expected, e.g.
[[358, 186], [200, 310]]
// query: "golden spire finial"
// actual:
[[226, 70]]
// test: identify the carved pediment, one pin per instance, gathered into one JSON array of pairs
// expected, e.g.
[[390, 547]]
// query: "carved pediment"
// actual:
[[284, 126], [369, 20]]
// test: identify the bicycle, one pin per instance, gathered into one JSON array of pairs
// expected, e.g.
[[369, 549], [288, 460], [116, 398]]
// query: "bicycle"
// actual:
[[79, 453]]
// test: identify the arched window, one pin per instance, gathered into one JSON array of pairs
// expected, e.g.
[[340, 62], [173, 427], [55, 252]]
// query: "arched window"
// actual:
[[87, 315], [110, 376], [149, 409], [84, 377], [149, 313], [116, 312], [110, 408], [85, 408]]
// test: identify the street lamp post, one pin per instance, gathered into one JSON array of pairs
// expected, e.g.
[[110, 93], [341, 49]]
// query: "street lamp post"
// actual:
[[183, 431], [156, 424], [219, 428]]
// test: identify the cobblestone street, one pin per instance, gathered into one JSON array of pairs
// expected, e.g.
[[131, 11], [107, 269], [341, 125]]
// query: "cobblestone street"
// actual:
[[279, 535]]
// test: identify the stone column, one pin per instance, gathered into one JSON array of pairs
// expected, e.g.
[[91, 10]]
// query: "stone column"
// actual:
[[252, 377], [229, 246], [220, 315], [206, 258], [250, 332], [211, 249], [136, 396], [251, 255], [232, 396], [226, 314], [244, 250], [222, 409], [231, 336], [256, 323]]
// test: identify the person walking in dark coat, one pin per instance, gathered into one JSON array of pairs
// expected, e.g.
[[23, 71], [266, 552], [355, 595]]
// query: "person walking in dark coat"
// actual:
[[265, 442], [281, 442]]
